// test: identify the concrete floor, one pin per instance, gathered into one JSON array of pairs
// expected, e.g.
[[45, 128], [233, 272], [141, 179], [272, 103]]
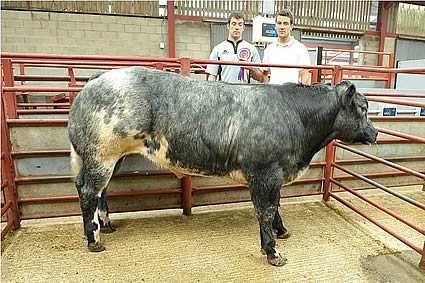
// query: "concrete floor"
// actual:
[[329, 243]]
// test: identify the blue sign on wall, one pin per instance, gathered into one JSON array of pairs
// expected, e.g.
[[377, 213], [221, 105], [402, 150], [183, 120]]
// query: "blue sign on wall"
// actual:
[[269, 30], [390, 111], [422, 112]]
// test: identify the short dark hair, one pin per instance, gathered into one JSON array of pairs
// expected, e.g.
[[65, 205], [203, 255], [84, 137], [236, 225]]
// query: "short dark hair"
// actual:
[[235, 15], [286, 13]]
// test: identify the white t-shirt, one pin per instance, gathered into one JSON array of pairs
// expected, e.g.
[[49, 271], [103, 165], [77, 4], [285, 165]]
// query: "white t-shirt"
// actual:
[[294, 53]]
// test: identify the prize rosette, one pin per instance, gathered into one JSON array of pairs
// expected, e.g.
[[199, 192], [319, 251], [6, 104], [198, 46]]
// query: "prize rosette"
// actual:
[[244, 54]]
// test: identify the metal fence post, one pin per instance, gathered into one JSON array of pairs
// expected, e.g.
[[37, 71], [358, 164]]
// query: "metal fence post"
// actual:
[[390, 74], [330, 148], [329, 170], [337, 75], [187, 195], [319, 62], [9, 98], [186, 180], [185, 66], [72, 83], [422, 262], [8, 172]]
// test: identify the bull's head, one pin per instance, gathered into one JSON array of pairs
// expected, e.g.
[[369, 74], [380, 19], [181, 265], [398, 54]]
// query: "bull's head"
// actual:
[[352, 123]]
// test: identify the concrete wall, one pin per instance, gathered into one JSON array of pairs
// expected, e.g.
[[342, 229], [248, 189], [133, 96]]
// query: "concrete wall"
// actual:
[[371, 43], [68, 33], [193, 39], [368, 43]]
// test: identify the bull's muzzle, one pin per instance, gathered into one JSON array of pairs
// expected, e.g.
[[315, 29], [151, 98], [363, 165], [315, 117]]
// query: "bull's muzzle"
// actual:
[[370, 135]]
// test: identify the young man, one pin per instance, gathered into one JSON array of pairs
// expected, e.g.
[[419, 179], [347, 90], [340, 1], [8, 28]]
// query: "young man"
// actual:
[[233, 49], [287, 51]]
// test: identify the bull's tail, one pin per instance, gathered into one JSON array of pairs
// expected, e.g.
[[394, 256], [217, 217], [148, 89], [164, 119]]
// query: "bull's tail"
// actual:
[[75, 162]]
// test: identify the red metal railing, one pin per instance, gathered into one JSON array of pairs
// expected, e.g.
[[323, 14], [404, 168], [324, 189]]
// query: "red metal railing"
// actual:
[[360, 74], [331, 163], [351, 52], [10, 206], [185, 66]]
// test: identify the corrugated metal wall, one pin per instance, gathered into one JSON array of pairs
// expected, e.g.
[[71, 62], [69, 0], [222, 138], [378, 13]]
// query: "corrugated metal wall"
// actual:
[[411, 19], [138, 8], [409, 50]]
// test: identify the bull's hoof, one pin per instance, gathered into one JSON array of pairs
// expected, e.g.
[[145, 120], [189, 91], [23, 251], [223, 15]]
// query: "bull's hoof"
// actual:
[[107, 229], [278, 261], [263, 252], [96, 247], [284, 235]]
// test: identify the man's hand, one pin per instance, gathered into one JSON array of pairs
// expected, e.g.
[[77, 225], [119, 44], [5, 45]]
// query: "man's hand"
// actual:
[[303, 76], [258, 75]]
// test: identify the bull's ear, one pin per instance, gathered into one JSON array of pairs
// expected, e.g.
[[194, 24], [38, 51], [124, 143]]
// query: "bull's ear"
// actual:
[[346, 88]]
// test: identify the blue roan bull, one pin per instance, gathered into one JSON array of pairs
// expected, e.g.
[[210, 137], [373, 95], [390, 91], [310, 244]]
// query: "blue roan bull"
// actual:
[[262, 135]]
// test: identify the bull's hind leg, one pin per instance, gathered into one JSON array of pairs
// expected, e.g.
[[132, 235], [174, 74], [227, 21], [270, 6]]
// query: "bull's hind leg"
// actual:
[[104, 221], [281, 231], [95, 180], [264, 184]]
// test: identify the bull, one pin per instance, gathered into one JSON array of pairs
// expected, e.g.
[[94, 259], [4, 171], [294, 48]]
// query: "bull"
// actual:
[[260, 135]]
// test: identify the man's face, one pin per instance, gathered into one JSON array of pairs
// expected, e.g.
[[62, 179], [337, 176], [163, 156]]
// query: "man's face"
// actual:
[[283, 26], [235, 27]]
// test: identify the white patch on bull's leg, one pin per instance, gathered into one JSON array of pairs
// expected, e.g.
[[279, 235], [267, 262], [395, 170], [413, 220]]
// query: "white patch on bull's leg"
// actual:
[[278, 259], [103, 217], [276, 252], [101, 213], [96, 232]]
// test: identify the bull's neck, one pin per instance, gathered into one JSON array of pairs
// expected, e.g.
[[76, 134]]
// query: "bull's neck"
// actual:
[[319, 121]]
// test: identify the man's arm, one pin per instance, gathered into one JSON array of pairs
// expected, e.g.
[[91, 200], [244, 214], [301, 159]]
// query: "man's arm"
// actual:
[[258, 75], [212, 70], [304, 60], [303, 76]]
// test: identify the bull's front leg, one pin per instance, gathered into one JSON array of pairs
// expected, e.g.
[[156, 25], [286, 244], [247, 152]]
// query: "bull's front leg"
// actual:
[[264, 185]]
